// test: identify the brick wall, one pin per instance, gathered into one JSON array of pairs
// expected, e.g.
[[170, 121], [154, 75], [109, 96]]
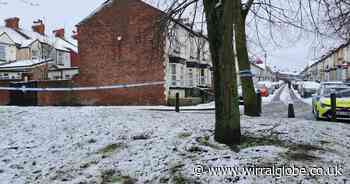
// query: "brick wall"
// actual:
[[74, 58], [131, 96], [4, 95], [117, 46], [39, 72]]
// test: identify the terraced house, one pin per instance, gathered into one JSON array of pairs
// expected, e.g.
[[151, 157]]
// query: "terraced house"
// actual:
[[333, 66], [123, 41], [31, 55]]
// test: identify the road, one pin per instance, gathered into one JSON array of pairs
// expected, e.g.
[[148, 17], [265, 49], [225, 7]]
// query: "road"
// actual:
[[279, 107]]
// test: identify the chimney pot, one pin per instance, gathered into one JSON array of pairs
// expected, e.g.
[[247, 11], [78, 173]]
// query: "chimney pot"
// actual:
[[12, 22], [75, 35], [60, 33], [39, 27]]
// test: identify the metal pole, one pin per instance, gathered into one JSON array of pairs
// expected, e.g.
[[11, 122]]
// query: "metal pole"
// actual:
[[177, 103], [333, 107], [259, 102], [291, 113]]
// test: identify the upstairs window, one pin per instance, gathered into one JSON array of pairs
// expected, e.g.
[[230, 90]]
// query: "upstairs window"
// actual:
[[2, 53], [173, 77], [35, 54], [60, 58]]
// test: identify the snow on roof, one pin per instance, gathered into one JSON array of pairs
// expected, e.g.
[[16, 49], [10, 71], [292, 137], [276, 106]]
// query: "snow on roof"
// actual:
[[24, 63], [98, 9], [62, 44], [289, 73], [36, 36], [16, 36], [311, 84], [24, 37], [28, 43]]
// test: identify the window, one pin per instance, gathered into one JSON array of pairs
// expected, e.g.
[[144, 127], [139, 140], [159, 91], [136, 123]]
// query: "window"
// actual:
[[182, 72], [173, 74], [35, 54], [202, 78], [67, 76], [6, 76], [2, 52], [60, 58], [190, 77]]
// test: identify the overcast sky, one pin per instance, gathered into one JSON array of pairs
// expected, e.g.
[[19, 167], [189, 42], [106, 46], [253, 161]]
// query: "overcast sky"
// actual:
[[67, 13]]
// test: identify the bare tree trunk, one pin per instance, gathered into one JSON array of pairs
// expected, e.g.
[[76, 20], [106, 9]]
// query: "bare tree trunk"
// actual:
[[220, 33], [249, 94]]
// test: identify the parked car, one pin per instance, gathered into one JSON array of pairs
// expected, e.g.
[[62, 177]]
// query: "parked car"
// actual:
[[240, 93], [296, 84], [321, 103], [308, 88], [277, 84], [332, 83], [266, 86]]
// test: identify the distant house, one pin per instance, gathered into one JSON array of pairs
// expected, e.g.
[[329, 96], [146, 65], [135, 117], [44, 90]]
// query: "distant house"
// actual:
[[122, 42], [32, 55], [333, 66]]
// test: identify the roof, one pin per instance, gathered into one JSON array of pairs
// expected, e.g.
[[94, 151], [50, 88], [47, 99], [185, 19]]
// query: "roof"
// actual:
[[97, 10], [24, 37], [61, 68], [253, 64], [330, 53], [108, 3], [64, 45], [24, 63]]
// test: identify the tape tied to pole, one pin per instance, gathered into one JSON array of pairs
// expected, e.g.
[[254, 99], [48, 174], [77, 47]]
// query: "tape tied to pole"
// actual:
[[246, 73], [24, 89]]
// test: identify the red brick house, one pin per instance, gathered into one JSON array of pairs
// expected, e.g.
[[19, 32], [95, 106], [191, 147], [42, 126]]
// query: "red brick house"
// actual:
[[117, 46]]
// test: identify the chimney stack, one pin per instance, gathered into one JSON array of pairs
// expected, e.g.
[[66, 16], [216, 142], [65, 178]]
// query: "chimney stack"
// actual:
[[59, 33], [75, 35], [12, 23], [39, 27]]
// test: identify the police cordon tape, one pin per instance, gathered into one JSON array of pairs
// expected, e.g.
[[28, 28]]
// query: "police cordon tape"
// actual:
[[117, 86]]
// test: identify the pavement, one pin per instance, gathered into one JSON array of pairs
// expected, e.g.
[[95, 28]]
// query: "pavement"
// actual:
[[278, 107]]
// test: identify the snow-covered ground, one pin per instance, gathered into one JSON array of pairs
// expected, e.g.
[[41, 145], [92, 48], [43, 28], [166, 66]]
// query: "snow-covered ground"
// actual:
[[83, 145], [285, 96], [305, 100]]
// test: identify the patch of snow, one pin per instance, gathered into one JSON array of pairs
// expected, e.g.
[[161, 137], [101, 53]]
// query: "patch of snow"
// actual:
[[305, 100], [64, 45], [23, 63], [14, 35], [285, 96], [98, 9], [68, 145]]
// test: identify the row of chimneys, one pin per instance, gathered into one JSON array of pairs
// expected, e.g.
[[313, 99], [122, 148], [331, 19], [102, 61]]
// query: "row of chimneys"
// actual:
[[38, 26]]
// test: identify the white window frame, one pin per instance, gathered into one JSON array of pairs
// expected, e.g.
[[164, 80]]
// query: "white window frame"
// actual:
[[35, 54], [190, 77], [172, 74], [60, 58], [2, 52]]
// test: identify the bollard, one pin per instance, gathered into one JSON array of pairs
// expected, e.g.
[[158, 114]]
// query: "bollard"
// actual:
[[333, 107], [259, 102], [291, 113], [177, 103]]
